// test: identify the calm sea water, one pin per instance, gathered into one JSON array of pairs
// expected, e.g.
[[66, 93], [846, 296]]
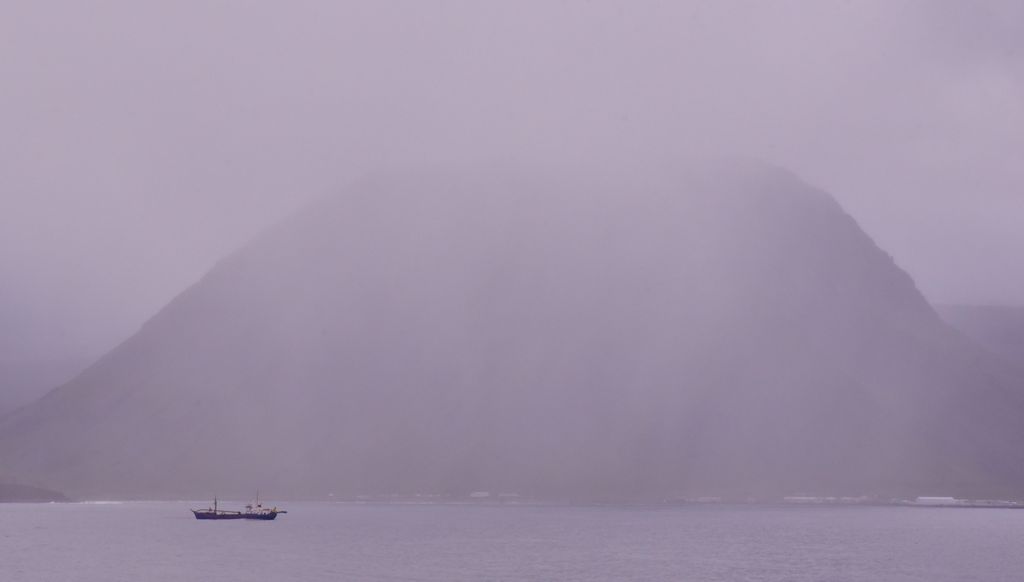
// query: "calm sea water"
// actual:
[[330, 541]]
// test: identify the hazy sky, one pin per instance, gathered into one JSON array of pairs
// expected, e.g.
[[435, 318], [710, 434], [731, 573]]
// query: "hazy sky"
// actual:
[[141, 141]]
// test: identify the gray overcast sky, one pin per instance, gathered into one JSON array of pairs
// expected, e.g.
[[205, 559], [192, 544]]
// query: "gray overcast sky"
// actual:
[[141, 141]]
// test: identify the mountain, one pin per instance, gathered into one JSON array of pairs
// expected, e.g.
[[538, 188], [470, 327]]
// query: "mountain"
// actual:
[[34, 355], [14, 493], [997, 327], [25, 380], [604, 334]]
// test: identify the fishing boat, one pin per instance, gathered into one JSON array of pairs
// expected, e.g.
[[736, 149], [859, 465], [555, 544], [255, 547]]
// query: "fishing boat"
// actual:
[[216, 513], [256, 510], [253, 510]]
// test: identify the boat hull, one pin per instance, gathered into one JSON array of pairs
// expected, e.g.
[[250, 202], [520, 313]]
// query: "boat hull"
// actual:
[[217, 515]]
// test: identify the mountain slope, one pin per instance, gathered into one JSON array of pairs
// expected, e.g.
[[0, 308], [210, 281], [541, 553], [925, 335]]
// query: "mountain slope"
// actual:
[[724, 330], [23, 381], [998, 328]]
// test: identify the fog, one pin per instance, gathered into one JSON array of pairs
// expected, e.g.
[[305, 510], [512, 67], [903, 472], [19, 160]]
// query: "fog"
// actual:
[[142, 142], [145, 147], [577, 332]]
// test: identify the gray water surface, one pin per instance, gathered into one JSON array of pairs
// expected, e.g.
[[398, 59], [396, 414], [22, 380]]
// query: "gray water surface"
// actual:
[[160, 541]]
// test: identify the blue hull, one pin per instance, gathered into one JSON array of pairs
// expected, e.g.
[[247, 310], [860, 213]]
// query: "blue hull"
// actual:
[[262, 516], [218, 515]]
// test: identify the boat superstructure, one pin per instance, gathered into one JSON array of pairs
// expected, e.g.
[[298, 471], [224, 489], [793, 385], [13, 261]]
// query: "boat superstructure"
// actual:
[[256, 510]]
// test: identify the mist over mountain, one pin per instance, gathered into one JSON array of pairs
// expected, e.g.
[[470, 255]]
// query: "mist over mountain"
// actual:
[[715, 329], [23, 381], [997, 327], [34, 358]]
